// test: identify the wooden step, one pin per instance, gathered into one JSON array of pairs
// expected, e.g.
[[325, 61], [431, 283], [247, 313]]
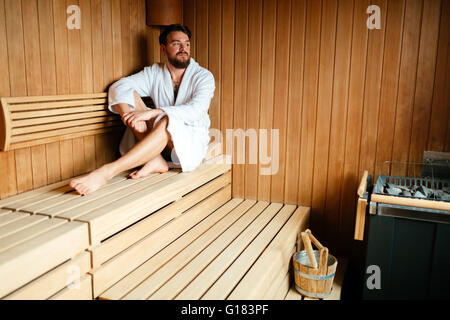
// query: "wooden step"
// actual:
[[119, 266], [217, 254], [114, 245], [42, 251], [54, 281], [274, 260]]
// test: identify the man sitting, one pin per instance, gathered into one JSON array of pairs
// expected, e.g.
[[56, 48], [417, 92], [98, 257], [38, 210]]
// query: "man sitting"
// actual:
[[177, 129]]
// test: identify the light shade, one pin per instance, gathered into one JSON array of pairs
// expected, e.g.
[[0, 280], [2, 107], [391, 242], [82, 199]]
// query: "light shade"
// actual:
[[164, 12]]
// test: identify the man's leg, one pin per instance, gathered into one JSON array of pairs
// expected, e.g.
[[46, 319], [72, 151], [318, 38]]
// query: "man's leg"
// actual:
[[145, 150], [157, 164]]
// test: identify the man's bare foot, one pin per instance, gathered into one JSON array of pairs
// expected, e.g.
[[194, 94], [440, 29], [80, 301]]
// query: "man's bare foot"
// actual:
[[156, 165], [91, 182]]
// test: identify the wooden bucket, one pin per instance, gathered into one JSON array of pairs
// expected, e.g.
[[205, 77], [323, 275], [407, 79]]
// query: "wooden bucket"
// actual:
[[314, 279]]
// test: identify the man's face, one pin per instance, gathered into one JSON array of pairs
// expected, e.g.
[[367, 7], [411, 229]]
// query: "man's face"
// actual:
[[178, 49]]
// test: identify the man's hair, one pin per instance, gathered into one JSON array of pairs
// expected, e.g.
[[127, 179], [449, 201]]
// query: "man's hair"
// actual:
[[173, 27]]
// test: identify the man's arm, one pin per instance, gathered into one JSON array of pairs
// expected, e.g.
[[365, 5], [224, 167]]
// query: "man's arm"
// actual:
[[122, 98]]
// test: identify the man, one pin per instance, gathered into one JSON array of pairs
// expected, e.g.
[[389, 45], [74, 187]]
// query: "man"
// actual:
[[179, 125]]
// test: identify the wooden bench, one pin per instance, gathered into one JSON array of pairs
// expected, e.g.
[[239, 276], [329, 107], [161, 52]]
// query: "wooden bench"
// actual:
[[53, 224], [240, 251], [173, 235]]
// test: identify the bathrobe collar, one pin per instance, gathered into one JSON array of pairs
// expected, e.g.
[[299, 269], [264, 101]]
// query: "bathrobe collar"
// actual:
[[184, 82]]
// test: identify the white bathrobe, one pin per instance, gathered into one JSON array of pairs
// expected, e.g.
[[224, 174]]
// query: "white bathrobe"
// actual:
[[188, 116]]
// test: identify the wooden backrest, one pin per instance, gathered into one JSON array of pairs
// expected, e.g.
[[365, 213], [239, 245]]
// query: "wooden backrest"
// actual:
[[30, 121]]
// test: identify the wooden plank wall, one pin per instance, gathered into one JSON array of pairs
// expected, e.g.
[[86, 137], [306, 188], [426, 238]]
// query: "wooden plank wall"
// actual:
[[39, 55], [344, 98]]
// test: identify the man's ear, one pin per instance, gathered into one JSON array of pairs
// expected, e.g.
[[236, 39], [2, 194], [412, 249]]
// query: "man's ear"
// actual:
[[163, 49]]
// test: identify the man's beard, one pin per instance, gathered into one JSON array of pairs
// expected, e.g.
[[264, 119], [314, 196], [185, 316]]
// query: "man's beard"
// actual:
[[179, 64]]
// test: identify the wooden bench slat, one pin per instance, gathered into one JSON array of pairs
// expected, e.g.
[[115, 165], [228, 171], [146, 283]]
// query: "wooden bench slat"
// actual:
[[137, 276], [29, 233], [64, 118], [280, 286], [15, 100], [114, 184], [191, 249], [114, 245], [273, 258], [56, 105], [207, 277], [60, 132], [49, 114], [129, 259], [64, 201], [56, 246], [163, 187], [53, 281], [84, 292], [62, 198], [29, 121], [69, 125], [67, 136], [231, 277], [4, 212], [32, 193], [185, 275], [19, 225], [106, 221], [11, 217], [111, 196], [49, 194]]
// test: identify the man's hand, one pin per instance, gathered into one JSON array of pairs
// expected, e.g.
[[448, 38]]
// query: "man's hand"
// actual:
[[130, 118]]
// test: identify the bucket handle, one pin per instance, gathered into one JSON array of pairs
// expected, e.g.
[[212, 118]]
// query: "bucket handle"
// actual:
[[323, 261], [307, 238], [314, 240], [309, 250]]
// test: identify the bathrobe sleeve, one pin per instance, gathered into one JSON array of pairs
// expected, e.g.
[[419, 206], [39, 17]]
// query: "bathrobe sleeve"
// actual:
[[194, 112], [122, 90]]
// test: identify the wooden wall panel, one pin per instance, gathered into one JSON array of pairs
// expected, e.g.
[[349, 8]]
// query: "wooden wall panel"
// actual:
[[309, 107], [240, 88], [344, 98], [214, 57], [40, 55], [339, 110], [253, 90], [281, 91], [389, 84], [267, 87], [407, 85], [441, 99], [425, 82], [354, 120], [227, 47], [324, 101]]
